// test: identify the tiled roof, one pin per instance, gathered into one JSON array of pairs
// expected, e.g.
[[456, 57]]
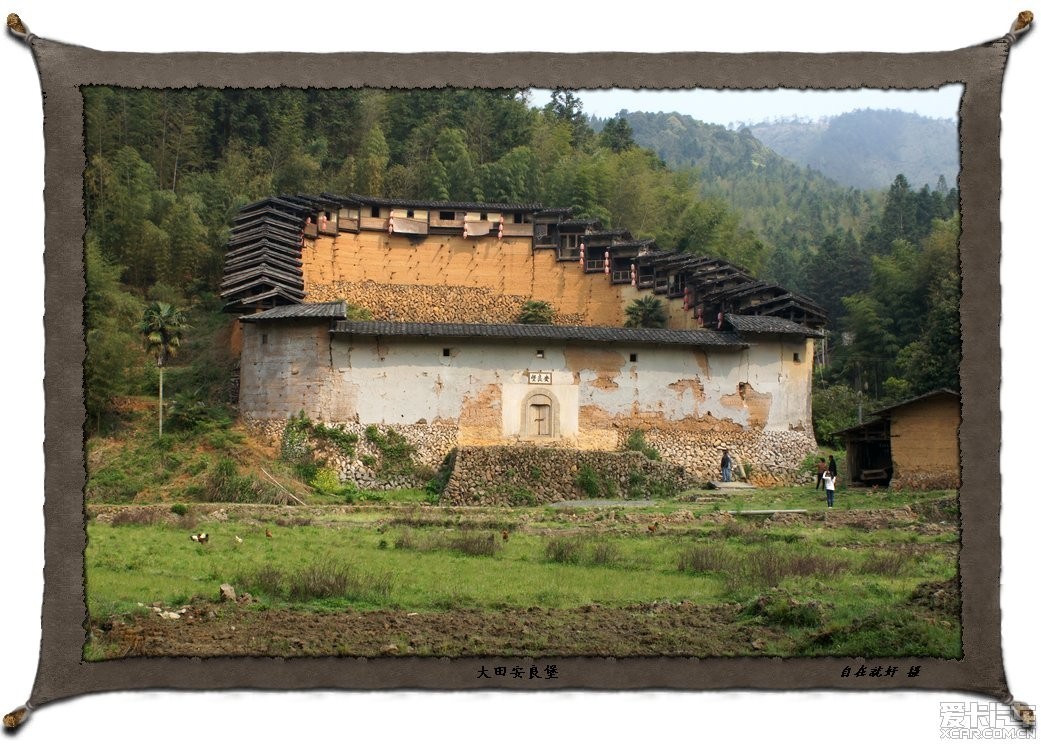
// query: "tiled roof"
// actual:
[[380, 201], [330, 310], [916, 399], [541, 332], [582, 223], [769, 324]]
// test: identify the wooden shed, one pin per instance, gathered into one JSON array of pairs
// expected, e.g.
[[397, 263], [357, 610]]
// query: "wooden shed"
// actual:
[[912, 444]]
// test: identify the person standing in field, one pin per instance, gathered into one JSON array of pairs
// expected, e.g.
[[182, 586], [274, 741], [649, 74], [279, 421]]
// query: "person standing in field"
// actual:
[[833, 467], [724, 466], [822, 468], [829, 479]]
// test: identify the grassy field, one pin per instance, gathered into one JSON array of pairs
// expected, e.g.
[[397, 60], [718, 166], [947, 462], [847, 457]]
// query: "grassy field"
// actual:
[[876, 576]]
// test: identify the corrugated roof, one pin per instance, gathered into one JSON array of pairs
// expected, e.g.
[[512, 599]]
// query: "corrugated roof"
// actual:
[[330, 310], [541, 332], [769, 324]]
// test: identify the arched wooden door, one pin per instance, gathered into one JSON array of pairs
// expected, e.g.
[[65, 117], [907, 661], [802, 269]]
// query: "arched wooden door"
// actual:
[[539, 416]]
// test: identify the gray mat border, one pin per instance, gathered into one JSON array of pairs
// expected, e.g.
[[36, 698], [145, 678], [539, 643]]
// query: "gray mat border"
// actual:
[[64, 68]]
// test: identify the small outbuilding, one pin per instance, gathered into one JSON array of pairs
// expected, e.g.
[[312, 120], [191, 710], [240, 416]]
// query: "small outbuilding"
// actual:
[[912, 444]]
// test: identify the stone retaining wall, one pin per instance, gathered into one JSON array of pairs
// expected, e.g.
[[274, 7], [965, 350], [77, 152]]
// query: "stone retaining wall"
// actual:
[[420, 303], [764, 458], [432, 442], [526, 475]]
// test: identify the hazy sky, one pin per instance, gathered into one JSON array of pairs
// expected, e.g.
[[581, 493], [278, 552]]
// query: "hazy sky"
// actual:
[[742, 106]]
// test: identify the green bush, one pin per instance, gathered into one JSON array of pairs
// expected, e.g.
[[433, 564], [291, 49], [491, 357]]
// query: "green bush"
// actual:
[[326, 480], [395, 452], [520, 495], [637, 442], [593, 485], [188, 412], [536, 312], [295, 446], [778, 608], [224, 484], [344, 441], [179, 509]]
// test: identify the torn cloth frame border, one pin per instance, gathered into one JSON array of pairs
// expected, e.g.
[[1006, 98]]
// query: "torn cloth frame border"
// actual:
[[64, 68]]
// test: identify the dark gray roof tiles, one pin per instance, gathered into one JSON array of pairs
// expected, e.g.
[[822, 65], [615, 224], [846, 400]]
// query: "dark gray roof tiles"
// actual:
[[534, 332], [379, 201], [330, 310], [768, 324]]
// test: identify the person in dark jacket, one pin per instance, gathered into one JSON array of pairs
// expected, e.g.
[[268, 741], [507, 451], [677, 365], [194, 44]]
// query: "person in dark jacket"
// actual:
[[725, 466], [833, 467]]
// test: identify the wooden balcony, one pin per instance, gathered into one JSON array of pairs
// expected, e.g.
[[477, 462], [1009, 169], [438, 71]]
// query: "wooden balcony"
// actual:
[[410, 226], [517, 230], [373, 223], [436, 221]]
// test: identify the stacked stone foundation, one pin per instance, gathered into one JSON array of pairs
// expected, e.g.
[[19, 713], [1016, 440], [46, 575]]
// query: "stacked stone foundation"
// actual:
[[526, 475], [763, 458], [924, 480]]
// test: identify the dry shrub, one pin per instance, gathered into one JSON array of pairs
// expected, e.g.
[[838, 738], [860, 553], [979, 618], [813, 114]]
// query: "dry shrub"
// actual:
[[474, 544], [742, 530], [137, 516], [761, 566], [564, 549], [407, 540], [704, 558], [604, 553], [320, 580], [468, 543], [887, 563]]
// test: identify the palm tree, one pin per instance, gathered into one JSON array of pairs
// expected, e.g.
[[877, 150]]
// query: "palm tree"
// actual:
[[161, 327], [536, 312], [645, 312]]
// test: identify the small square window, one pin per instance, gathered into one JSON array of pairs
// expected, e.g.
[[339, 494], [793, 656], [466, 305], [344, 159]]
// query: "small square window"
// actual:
[[446, 352], [633, 357], [410, 213], [263, 338], [374, 212], [446, 215], [484, 216], [540, 353], [797, 358]]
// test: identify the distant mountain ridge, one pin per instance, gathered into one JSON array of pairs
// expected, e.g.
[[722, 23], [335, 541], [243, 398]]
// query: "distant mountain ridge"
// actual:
[[787, 204], [868, 147]]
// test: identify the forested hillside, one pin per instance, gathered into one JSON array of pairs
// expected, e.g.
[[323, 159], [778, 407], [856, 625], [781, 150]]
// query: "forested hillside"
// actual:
[[789, 206], [168, 169], [865, 148]]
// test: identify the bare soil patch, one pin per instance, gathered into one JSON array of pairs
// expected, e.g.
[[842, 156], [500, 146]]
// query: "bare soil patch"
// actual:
[[657, 629]]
